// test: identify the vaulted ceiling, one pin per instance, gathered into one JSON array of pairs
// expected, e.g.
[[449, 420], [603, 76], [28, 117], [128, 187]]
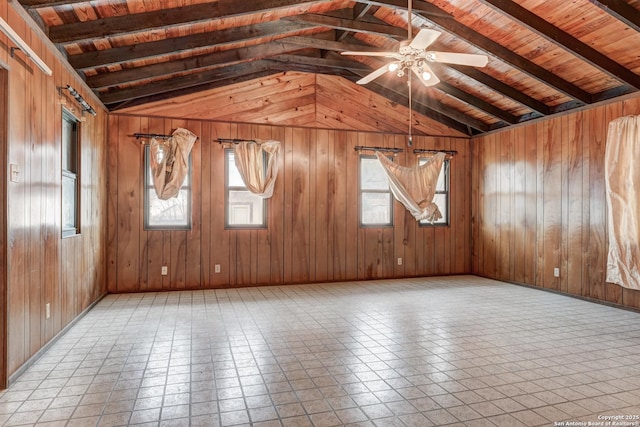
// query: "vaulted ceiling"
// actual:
[[545, 57]]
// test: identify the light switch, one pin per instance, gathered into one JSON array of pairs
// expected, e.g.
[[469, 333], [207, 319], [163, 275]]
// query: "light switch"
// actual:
[[15, 172]]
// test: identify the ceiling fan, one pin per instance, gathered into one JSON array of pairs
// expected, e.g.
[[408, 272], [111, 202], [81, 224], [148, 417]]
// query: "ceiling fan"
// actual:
[[412, 56]]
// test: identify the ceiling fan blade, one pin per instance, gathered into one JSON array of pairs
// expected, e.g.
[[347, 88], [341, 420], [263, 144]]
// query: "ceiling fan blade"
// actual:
[[424, 38], [374, 75], [383, 54], [432, 80], [470, 59]]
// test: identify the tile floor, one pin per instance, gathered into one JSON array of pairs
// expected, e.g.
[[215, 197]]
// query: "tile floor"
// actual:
[[459, 351]]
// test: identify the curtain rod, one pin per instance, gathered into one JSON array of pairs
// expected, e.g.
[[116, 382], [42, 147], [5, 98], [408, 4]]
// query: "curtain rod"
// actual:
[[153, 135], [391, 150], [233, 140], [420, 151]]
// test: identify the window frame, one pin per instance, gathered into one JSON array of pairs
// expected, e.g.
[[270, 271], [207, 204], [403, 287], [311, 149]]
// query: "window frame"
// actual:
[[228, 189], [74, 144], [446, 217], [148, 186], [361, 191]]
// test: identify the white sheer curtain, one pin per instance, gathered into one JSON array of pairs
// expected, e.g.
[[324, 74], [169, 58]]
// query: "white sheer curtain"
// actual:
[[622, 174], [250, 157], [415, 187], [169, 162]]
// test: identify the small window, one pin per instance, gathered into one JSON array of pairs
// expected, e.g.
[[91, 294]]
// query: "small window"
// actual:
[[441, 197], [171, 214], [376, 201], [243, 208], [70, 175]]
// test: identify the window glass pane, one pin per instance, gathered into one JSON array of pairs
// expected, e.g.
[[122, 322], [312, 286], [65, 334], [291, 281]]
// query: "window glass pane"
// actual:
[[234, 179], [70, 147], [441, 198], [376, 208], [440, 185], [174, 213], [372, 175], [69, 199], [69, 136], [441, 201], [245, 208], [168, 213]]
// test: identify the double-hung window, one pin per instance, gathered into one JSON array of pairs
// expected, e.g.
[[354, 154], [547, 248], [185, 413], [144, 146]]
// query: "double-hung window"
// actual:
[[441, 197], [376, 200], [70, 175], [243, 208], [171, 214]]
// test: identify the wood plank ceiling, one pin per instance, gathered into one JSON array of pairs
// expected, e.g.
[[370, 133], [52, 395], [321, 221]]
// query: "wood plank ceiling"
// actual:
[[545, 57]]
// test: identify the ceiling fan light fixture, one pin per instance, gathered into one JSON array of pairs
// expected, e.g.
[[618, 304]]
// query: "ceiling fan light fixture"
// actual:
[[426, 75], [393, 66]]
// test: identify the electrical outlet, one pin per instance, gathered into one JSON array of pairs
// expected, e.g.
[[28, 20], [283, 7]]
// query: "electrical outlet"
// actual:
[[165, 270], [399, 261], [556, 272], [47, 310], [217, 267]]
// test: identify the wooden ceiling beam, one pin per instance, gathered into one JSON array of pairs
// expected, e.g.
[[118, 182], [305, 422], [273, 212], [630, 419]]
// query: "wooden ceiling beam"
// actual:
[[35, 4], [189, 90], [438, 113], [435, 14], [319, 62], [308, 68], [209, 61], [471, 100], [162, 19], [125, 54], [502, 88], [316, 42], [566, 41], [622, 11], [360, 10], [175, 83], [349, 25], [402, 90], [476, 102], [117, 96]]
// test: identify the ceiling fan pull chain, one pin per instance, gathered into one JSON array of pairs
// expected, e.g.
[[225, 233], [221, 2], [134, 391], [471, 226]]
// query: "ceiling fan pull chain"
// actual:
[[409, 16], [410, 142]]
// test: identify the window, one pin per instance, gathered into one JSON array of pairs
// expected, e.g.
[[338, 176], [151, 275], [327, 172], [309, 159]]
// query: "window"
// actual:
[[172, 214], [243, 208], [70, 175], [441, 197], [376, 202]]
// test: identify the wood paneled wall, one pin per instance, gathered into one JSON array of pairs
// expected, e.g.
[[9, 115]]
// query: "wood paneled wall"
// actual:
[[312, 234], [43, 268], [539, 204]]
